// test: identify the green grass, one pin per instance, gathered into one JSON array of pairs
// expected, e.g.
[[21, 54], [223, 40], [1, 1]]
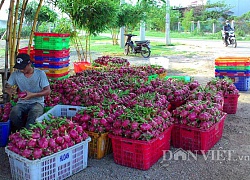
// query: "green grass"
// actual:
[[2, 53], [107, 48], [101, 44]]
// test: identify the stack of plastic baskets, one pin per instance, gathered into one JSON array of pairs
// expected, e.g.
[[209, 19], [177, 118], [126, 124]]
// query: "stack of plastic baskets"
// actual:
[[236, 68], [25, 50], [52, 52]]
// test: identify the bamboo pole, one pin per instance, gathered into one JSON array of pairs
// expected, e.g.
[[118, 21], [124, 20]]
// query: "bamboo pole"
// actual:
[[76, 42], [90, 58], [14, 50], [86, 45], [9, 23], [1, 4], [25, 2], [10, 33], [34, 25]]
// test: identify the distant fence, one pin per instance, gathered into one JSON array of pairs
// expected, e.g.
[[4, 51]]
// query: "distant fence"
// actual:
[[241, 27]]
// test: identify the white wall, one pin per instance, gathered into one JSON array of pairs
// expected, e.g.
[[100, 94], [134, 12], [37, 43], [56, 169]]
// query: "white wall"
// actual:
[[3, 23], [240, 7]]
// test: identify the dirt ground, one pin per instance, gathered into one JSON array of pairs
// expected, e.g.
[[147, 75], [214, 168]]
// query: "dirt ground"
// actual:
[[231, 158]]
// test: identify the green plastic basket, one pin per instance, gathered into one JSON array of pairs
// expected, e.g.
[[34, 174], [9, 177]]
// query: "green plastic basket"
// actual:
[[52, 46], [232, 67], [51, 43], [181, 78], [152, 77], [61, 78], [42, 39], [47, 108]]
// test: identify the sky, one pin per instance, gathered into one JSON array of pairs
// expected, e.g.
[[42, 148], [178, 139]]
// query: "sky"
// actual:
[[180, 2], [3, 13]]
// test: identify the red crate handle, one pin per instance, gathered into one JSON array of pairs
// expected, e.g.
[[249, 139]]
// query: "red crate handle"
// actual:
[[46, 39], [45, 52]]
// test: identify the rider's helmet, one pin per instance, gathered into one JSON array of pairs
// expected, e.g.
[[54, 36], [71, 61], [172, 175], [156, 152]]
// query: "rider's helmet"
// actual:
[[227, 22]]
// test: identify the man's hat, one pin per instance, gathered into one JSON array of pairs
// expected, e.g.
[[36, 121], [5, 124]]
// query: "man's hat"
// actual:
[[22, 60]]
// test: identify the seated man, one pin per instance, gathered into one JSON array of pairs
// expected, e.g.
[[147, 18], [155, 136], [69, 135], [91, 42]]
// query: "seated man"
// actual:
[[34, 82]]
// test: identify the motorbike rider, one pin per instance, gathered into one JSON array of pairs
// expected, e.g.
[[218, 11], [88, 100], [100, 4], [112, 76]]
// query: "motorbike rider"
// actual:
[[226, 30]]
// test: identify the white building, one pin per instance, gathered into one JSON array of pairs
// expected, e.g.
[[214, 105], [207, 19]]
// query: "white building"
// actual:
[[239, 7]]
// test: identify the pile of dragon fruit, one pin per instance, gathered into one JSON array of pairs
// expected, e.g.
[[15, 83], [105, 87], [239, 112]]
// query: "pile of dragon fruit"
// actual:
[[123, 102], [46, 138], [111, 61], [5, 112]]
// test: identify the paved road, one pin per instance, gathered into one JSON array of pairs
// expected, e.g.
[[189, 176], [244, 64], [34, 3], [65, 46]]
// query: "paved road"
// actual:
[[218, 48], [211, 47], [215, 47]]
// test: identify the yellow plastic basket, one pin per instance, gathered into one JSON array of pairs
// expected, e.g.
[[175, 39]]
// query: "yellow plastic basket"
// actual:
[[100, 145], [55, 71]]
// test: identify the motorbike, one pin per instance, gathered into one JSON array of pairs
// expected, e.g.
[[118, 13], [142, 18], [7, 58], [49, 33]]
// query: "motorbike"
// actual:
[[142, 47], [231, 40]]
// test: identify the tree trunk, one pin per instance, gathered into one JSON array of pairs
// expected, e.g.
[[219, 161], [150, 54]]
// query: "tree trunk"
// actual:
[[34, 25]]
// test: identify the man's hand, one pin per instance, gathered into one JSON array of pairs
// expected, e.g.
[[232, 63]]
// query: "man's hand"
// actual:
[[9, 89], [29, 95]]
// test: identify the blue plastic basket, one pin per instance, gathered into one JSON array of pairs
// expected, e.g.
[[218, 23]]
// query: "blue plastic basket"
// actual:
[[51, 65], [242, 83], [4, 133], [232, 73], [48, 59]]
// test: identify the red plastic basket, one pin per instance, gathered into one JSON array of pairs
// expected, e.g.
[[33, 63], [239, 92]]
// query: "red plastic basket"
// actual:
[[236, 63], [49, 75], [197, 140], [52, 53], [140, 154], [51, 34], [175, 104], [81, 66], [25, 50], [230, 103]]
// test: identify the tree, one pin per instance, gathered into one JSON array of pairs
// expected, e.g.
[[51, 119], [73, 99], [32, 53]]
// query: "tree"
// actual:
[[188, 17], [217, 10], [93, 16], [130, 16], [156, 17], [45, 14], [242, 24]]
